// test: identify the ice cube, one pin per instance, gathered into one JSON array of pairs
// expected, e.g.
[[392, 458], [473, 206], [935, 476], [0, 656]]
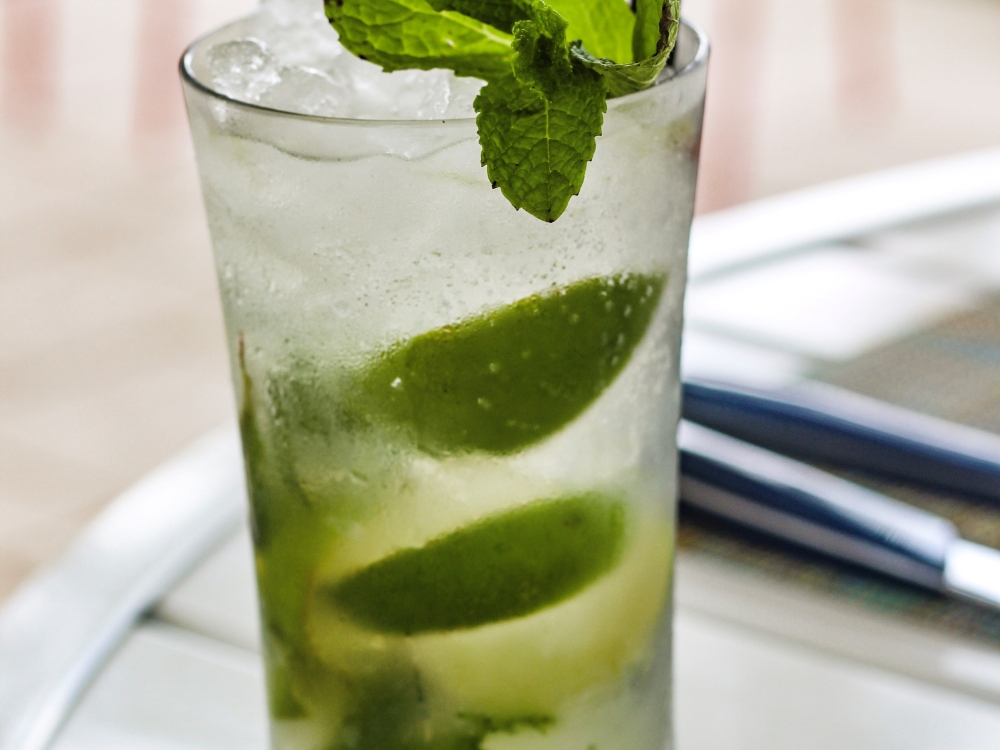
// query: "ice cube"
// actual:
[[293, 11], [307, 91], [306, 37], [463, 94], [423, 94], [404, 94], [243, 69]]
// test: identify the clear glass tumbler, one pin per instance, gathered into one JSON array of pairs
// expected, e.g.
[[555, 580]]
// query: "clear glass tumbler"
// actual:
[[458, 421]]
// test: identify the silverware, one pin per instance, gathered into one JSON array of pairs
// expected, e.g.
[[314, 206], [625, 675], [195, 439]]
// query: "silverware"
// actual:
[[818, 422], [760, 489]]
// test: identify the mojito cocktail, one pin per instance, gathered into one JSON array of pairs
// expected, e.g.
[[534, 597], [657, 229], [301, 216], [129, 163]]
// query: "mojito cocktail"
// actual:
[[458, 420]]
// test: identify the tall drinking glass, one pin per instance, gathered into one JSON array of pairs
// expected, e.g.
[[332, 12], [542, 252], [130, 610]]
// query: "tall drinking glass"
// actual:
[[458, 421]]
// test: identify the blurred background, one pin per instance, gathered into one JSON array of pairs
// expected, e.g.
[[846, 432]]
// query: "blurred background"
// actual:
[[111, 350]]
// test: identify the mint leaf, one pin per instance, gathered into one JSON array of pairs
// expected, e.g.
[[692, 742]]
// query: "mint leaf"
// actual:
[[538, 126], [604, 27], [401, 34], [502, 15], [536, 149], [624, 79], [647, 35]]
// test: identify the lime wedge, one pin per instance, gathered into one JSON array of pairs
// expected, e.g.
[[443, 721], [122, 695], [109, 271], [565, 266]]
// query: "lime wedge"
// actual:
[[508, 378], [533, 665], [502, 567]]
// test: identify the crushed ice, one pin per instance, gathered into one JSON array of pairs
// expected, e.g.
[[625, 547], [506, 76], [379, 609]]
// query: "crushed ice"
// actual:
[[295, 63]]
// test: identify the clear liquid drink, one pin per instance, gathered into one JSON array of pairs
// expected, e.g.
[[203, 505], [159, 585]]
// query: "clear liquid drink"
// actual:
[[458, 420]]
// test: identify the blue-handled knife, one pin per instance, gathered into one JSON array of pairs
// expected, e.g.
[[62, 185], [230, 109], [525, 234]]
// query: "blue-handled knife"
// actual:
[[792, 501], [821, 423]]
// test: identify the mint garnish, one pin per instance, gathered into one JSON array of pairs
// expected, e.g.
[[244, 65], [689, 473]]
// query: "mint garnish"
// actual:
[[549, 67]]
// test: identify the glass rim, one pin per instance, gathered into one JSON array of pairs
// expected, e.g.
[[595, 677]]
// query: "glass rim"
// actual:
[[187, 76]]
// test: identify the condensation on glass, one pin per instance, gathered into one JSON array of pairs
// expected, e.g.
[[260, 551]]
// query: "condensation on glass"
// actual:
[[350, 252]]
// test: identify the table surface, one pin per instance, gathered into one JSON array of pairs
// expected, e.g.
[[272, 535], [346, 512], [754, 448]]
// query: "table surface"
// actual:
[[190, 677], [758, 663]]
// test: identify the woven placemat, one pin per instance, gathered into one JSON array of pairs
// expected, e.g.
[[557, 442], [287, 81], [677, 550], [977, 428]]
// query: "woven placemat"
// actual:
[[952, 371]]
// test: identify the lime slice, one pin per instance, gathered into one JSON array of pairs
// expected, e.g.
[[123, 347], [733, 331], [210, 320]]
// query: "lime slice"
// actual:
[[533, 665], [502, 567], [508, 378]]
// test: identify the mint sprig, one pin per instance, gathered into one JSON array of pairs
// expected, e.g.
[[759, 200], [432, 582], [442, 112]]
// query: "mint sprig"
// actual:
[[549, 66]]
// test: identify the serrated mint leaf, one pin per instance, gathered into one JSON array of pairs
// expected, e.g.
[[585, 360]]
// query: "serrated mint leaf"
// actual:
[[537, 127], [540, 57], [604, 26], [401, 34], [631, 77], [503, 14]]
